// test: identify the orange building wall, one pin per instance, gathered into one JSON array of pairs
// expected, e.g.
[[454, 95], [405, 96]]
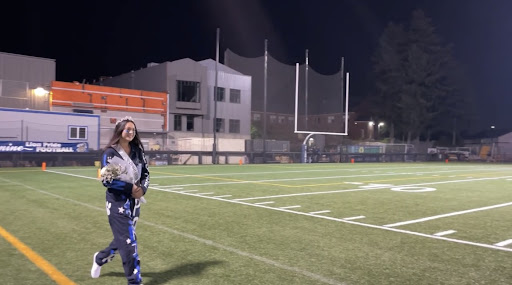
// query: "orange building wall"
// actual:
[[109, 98]]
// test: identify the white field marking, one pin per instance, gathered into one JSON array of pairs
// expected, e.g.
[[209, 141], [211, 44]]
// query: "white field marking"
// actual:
[[359, 189], [449, 215], [320, 212], [156, 185], [452, 169], [413, 189], [355, 183], [290, 207], [372, 185], [504, 243], [207, 193], [354, 218], [280, 172], [74, 175], [445, 233], [201, 240], [509, 179], [263, 203], [305, 178], [186, 191], [222, 196], [168, 186], [286, 209]]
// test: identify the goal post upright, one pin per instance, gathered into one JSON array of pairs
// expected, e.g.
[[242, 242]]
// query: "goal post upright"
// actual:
[[311, 133]]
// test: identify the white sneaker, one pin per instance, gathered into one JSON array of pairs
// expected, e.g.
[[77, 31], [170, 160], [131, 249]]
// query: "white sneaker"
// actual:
[[96, 269]]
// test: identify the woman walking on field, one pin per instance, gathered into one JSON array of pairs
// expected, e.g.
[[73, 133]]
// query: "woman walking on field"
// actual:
[[125, 174]]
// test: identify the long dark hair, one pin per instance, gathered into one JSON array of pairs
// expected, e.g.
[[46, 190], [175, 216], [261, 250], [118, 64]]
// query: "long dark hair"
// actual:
[[118, 131]]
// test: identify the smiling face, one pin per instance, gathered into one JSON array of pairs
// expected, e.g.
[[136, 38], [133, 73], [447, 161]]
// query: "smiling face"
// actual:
[[128, 132]]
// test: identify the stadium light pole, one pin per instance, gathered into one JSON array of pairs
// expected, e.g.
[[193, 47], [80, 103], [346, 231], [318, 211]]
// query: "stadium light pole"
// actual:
[[214, 146], [265, 101]]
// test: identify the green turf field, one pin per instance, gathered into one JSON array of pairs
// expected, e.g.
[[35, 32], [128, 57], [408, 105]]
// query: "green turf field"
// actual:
[[362, 223]]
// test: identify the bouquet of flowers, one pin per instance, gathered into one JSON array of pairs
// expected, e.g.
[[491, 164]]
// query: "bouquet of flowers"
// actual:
[[119, 169]]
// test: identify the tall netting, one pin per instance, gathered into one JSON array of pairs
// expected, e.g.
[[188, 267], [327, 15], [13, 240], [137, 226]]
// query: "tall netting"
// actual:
[[322, 111]]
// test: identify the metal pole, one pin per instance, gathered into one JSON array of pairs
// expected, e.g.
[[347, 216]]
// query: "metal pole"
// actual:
[[346, 103], [214, 147], [265, 101], [454, 137], [342, 88], [306, 91]]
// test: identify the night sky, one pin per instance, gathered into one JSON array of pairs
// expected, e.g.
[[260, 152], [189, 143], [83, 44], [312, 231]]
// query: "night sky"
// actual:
[[90, 39]]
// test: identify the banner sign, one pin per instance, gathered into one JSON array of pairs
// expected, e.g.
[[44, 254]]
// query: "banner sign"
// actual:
[[30, 146]]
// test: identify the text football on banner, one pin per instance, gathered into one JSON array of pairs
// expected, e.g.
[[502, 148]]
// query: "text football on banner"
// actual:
[[30, 146]]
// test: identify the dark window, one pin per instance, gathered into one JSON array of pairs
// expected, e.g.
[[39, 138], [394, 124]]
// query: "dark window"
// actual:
[[188, 91], [234, 96], [219, 126], [77, 133], [177, 122], [220, 94], [234, 126], [190, 123]]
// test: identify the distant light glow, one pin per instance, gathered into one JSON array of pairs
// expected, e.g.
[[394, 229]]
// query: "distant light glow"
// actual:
[[39, 91]]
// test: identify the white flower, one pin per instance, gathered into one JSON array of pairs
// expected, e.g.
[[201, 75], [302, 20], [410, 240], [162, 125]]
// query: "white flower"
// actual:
[[112, 171]]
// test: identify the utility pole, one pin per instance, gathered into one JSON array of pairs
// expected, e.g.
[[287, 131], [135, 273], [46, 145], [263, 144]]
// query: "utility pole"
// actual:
[[214, 147]]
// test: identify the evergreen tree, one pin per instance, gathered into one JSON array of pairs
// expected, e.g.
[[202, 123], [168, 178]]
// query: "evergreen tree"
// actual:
[[416, 79]]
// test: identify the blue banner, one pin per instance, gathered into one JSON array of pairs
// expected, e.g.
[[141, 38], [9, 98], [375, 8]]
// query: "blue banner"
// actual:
[[30, 146]]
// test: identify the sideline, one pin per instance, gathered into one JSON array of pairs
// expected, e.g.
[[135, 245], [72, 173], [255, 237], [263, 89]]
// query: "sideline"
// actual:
[[40, 262]]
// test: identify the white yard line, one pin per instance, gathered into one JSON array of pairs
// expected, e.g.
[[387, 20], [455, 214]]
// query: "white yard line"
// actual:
[[290, 207], [504, 243], [291, 171], [354, 218], [306, 178], [203, 241], [207, 193], [445, 233], [448, 215], [320, 212], [222, 196], [286, 210], [376, 188], [264, 203]]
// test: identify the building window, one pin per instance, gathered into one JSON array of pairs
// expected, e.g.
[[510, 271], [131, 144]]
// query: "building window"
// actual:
[[234, 96], [219, 125], [190, 123], [177, 122], [234, 126], [77, 133], [220, 94], [188, 91], [256, 117]]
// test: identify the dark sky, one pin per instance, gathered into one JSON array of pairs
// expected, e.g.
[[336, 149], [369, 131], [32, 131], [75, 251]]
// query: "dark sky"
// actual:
[[90, 39]]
